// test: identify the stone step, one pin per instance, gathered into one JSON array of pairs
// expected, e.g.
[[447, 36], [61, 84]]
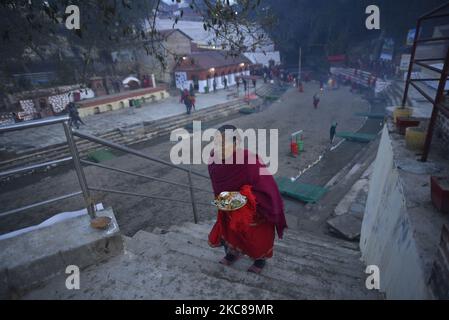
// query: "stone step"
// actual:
[[297, 278], [304, 235], [302, 288], [132, 277], [294, 255], [327, 266], [321, 245]]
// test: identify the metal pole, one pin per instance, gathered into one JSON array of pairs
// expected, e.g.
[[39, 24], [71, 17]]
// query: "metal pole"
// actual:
[[438, 100], [412, 60], [79, 170], [192, 198], [125, 149]]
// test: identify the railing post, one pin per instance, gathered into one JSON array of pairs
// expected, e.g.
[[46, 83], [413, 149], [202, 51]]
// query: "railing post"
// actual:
[[412, 61], [192, 197], [79, 170]]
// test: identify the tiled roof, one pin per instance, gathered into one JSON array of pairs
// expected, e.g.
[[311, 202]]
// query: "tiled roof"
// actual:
[[165, 33]]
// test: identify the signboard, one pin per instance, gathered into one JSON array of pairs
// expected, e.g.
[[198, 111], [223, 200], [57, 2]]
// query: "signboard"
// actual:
[[387, 50], [405, 62], [181, 80], [411, 37]]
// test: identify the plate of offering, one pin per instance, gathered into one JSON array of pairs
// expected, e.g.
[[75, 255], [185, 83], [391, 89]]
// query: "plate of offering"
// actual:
[[230, 201]]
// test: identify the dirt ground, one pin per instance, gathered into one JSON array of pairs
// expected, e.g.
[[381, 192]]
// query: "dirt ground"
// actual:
[[293, 112]]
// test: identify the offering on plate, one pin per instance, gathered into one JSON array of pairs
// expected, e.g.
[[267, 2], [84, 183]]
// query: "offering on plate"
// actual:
[[230, 201]]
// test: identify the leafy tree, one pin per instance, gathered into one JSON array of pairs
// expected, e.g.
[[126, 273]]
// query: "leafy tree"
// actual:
[[31, 29]]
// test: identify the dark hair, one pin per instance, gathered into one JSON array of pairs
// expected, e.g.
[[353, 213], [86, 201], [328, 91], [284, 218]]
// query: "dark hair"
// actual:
[[225, 127]]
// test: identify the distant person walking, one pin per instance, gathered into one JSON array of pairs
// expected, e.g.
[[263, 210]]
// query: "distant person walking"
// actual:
[[333, 131], [187, 100], [192, 102], [192, 96], [225, 82], [16, 117], [316, 100], [214, 84], [74, 115]]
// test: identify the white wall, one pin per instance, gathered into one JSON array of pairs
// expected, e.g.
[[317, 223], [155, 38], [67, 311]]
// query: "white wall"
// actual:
[[201, 85], [387, 239]]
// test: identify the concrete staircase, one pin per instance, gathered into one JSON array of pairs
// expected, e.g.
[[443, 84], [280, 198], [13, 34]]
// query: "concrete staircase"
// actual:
[[178, 264], [394, 93]]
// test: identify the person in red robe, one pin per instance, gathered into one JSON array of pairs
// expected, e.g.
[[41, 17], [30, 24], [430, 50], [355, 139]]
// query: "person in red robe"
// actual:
[[250, 230]]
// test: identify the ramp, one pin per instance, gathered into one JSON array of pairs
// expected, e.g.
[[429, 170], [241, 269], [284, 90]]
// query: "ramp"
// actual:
[[358, 137], [300, 191]]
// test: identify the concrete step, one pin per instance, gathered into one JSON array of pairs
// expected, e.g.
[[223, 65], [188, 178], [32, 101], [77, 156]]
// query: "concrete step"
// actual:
[[302, 282], [132, 277], [323, 246], [299, 287], [322, 238], [297, 254], [328, 266]]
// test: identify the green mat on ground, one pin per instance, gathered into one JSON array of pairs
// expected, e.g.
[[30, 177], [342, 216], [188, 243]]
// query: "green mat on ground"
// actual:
[[247, 110], [359, 137], [300, 191], [100, 155], [371, 115], [271, 98]]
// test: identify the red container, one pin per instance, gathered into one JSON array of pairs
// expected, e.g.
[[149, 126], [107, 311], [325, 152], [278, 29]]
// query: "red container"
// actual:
[[439, 189], [294, 148], [403, 123]]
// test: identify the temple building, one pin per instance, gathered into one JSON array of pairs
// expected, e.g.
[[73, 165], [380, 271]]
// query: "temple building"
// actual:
[[202, 67]]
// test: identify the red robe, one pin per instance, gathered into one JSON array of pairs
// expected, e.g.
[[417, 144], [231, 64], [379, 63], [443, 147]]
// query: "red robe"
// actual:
[[244, 230], [251, 229]]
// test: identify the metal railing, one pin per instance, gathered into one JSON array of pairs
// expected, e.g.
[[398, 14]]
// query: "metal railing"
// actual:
[[78, 162], [438, 100]]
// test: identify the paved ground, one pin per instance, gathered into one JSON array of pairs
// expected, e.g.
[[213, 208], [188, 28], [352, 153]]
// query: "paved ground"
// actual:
[[20, 141], [294, 111]]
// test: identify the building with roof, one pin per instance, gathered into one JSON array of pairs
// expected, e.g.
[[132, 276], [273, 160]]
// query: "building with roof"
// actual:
[[207, 39], [172, 44], [202, 67]]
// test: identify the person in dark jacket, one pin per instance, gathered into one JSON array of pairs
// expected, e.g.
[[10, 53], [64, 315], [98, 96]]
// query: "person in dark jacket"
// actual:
[[333, 131], [316, 100], [74, 115]]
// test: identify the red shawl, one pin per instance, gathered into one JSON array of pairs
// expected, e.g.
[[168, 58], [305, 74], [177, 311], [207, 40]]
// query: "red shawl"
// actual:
[[231, 177]]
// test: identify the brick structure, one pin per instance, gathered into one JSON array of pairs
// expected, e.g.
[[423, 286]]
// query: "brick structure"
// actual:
[[201, 68], [121, 100]]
